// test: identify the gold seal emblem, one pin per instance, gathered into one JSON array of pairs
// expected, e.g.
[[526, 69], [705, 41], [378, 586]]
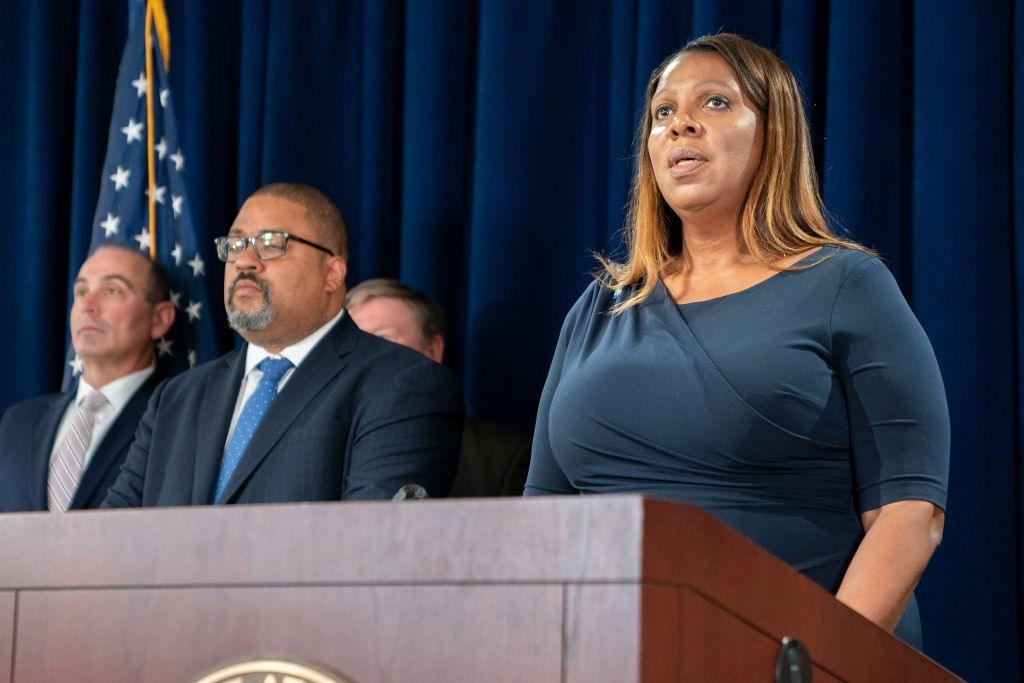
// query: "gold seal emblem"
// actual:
[[271, 671]]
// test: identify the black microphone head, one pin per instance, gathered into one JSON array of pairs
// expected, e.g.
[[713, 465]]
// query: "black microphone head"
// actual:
[[410, 492], [793, 663]]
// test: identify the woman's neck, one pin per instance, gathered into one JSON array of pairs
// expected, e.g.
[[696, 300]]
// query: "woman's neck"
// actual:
[[712, 242]]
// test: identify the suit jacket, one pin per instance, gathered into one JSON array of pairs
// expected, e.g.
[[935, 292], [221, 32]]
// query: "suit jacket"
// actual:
[[358, 419], [27, 434], [494, 461]]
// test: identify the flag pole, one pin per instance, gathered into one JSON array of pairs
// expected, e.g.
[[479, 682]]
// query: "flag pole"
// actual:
[[150, 152], [133, 165]]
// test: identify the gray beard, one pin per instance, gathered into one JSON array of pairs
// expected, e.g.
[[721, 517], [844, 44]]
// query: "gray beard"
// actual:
[[250, 321]]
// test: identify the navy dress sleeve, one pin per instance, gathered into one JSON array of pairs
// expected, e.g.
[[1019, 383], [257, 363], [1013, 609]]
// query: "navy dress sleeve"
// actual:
[[899, 422]]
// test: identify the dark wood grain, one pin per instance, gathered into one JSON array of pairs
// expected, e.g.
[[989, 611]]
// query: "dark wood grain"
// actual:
[[761, 590], [660, 624], [719, 648], [368, 633]]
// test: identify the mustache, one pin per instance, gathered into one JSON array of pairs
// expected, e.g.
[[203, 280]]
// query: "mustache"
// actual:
[[90, 322], [262, 284]]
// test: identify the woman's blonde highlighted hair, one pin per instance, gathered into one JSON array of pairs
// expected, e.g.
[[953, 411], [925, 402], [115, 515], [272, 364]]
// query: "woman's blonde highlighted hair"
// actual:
[[782, 213]]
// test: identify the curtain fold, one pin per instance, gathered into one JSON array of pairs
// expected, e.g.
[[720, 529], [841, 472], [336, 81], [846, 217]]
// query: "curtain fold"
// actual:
[[961, 282]]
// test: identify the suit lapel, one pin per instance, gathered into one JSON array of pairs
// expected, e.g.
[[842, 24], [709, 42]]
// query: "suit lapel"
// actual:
[[117, 439], [313, 374], [44, 432], [217, 405]]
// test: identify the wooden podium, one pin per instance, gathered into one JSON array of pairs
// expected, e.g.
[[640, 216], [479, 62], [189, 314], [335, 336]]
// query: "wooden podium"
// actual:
[[602, 588]]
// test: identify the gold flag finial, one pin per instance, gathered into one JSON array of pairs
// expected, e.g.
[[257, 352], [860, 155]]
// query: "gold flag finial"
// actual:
[[163, 31]]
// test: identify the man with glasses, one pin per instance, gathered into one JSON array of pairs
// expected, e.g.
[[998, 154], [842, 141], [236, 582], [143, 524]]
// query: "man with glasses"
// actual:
[[63, 451], [310, 408]]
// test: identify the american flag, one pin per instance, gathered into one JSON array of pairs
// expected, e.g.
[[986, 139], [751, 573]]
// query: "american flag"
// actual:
[[122, 213]]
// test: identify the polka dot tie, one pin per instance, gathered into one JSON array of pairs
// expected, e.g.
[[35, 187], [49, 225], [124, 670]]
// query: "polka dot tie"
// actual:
[[252, 414]]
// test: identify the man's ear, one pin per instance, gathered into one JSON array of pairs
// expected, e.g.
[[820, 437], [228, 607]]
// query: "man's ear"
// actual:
[[336, 271], [435, 348], [163, 319]]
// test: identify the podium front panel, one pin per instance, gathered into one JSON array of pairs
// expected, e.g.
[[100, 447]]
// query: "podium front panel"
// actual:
[[621, 632], [367, 633], [7, 602]]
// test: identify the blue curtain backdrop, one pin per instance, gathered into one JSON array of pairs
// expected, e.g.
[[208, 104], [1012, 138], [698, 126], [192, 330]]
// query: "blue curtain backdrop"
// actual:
[[480, 150]]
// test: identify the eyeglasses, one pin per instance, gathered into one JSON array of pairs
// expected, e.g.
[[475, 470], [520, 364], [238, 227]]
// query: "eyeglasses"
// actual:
[[267, 245]]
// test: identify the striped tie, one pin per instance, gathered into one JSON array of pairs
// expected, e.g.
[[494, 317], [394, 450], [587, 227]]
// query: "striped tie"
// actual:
[[69, 459]]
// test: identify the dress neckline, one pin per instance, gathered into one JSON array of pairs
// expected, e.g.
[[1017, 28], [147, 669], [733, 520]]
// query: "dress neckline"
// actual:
[[751, 288]]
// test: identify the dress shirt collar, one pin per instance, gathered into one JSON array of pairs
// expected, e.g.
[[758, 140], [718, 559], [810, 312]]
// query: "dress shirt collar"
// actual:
[[295, 353], [117, 392]]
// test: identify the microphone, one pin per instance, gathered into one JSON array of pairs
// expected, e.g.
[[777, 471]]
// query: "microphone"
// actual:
[[411, 492]]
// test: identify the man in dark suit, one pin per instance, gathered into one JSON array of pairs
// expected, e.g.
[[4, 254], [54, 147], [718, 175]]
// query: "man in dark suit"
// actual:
[[63, 451], [494, 461], [310, 408]]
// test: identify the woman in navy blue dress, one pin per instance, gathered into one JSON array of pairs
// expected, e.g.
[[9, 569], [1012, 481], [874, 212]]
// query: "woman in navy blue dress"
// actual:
[[743, 357]]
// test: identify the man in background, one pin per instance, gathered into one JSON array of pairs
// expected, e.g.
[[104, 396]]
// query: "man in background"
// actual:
[[310, 408], [493, 461], [63, 451]]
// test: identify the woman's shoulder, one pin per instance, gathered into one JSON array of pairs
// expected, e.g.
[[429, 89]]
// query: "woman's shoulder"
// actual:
[[863, 288], [842, 266], [597, 297], [593, 309], [841, 259]]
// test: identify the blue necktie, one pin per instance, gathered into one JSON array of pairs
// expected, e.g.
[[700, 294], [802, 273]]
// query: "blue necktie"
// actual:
[[250, 418]]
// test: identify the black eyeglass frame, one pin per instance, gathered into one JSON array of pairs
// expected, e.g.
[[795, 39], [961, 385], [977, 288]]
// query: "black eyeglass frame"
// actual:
[[222, 242]]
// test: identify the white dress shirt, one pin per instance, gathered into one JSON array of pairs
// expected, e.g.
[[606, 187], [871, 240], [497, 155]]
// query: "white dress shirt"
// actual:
[[117, 393], [296, 353]]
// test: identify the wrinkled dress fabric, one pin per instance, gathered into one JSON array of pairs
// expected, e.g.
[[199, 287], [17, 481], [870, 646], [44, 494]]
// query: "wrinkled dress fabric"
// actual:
[[785, 410]]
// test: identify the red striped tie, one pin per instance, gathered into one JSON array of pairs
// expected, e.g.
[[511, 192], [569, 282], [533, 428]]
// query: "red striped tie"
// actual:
[[69, 459]]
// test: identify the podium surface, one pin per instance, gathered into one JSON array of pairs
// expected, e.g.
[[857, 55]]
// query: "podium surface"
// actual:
[[599, 588]]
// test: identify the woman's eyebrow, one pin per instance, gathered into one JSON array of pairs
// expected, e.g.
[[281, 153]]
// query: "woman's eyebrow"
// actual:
[[724, 84]]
